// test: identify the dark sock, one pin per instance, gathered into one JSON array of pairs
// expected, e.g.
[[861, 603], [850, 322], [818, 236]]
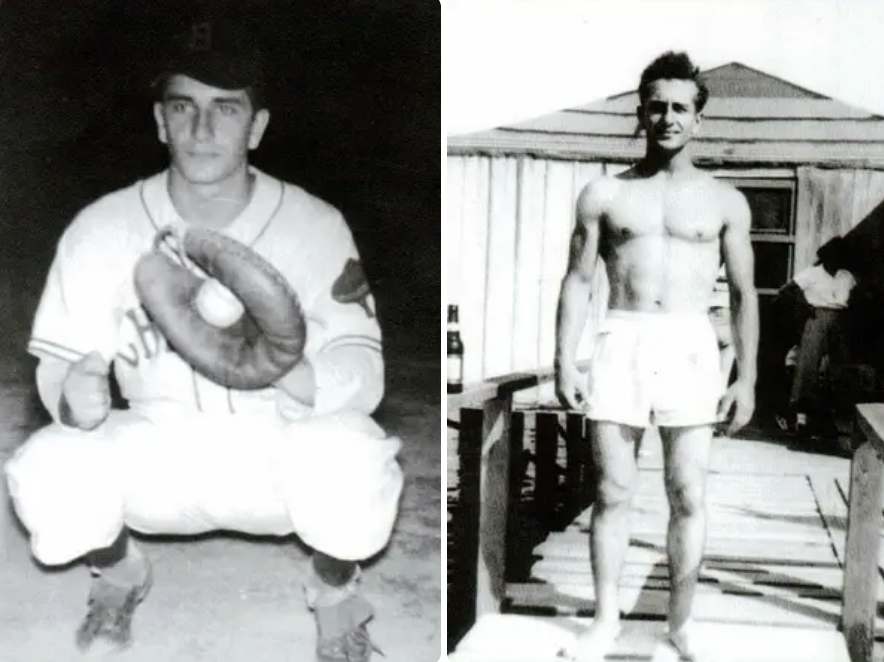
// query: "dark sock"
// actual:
[[332, 571], [121, 563]]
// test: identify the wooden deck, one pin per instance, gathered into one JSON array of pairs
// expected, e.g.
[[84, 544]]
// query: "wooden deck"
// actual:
[[771, 584]]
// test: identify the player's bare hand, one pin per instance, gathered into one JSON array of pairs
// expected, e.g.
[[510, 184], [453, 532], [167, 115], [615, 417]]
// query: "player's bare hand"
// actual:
[[86, 398], [570, 388], [737, 406], [300, 382]]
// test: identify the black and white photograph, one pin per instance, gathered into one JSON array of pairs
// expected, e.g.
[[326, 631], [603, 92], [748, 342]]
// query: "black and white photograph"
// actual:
[[221, 260], [664, 277]]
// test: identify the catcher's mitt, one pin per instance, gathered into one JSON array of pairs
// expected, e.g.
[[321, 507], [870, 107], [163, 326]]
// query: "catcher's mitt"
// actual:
[[251, 353]]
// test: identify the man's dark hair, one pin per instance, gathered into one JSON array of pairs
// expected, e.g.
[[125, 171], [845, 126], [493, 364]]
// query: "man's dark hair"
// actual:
[[673, 66]]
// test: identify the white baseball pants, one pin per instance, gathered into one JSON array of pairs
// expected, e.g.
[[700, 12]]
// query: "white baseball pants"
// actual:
[[333, 480]]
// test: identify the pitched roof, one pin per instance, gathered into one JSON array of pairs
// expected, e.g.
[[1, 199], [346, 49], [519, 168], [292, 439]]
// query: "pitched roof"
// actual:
[[752, 118]]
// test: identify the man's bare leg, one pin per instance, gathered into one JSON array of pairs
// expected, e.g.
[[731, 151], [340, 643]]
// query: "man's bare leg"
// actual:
[[613, 451], [686, 461]]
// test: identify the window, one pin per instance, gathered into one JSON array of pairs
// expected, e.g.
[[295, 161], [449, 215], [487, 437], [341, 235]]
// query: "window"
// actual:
[[771, 209], [773, 229]]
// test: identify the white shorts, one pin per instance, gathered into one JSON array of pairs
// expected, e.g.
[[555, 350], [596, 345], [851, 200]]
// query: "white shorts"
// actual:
[[332, 480], [655, 369]]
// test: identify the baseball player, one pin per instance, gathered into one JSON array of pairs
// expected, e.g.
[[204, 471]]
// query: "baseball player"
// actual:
[[302, 456]]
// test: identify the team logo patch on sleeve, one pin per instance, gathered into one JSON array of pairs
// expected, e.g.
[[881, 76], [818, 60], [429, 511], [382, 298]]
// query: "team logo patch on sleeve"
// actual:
[[352, 286]]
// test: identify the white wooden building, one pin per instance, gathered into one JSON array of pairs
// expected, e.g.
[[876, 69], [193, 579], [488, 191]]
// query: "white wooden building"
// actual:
[[810, 166]]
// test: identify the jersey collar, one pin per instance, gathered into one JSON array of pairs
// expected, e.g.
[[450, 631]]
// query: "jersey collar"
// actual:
[[247, 228]]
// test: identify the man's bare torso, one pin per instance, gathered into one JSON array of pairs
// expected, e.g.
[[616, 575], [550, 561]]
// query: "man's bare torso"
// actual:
[[660, 239]]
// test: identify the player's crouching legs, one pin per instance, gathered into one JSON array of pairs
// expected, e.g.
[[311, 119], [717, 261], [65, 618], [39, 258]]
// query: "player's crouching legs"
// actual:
[[342, 484], [66, 491], [345, 508]]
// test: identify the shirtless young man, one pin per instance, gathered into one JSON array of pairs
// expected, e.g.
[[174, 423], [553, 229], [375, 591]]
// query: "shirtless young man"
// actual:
[[661, 229]]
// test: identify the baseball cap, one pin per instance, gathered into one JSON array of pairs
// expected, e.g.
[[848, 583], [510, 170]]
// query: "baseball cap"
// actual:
[[217, 54]]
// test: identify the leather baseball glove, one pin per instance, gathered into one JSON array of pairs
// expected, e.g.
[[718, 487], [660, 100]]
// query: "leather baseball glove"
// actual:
[[255, 350]]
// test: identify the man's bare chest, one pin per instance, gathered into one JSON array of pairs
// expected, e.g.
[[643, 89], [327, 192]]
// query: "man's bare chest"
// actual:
[[689, 212]]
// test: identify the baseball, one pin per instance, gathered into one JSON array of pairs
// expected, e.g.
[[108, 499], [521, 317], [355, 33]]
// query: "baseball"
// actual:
[[217, 305]]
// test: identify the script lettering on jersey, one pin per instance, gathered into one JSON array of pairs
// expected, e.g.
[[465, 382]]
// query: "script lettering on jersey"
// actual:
[[148, 341]]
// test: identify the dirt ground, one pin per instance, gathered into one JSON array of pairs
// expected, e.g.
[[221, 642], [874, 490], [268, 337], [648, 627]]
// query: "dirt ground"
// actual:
[[220, 597]]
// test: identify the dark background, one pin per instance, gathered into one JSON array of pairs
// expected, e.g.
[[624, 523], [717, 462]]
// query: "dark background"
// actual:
[[354, 94]]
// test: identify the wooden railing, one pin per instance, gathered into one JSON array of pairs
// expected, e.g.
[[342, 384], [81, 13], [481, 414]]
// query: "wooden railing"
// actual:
[[486, 450], [861, 574]]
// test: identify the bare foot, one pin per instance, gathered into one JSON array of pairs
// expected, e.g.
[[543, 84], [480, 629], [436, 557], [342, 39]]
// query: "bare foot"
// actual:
[[682, 642], [594, 644]]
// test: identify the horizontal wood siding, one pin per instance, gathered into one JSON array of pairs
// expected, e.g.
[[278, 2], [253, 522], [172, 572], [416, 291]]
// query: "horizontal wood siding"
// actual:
[[706, 150], [736, 129]]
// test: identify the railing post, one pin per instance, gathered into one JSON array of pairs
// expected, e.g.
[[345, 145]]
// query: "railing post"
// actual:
[[485, 475], [517, 474], [575, 467], [488, 485], [861, 575], [546, 468]]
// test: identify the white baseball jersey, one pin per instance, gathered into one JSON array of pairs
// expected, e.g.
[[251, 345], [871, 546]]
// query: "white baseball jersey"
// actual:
[[89, 302]]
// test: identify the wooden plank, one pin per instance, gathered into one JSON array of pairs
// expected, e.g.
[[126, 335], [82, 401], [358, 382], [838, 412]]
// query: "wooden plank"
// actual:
[[863, 540], [718, 492], [577, 466], [546, 476], [833, 511], [638, 602], [749, 550], [746, 531], [501, 269], [753, 108], [706, 153], [474, 253], [454, 218], [651, 556], [739, 523], [579, 572], [830, 203], [870, 419], [736, 488], [809, 208], [502, 386], [518, 638], [484, 457], [717, 513], [558, 220], [467, 524], [840, 537], [740, 482], [720, 128], [527, 292], [787, 487], [735, 506], [516, 473], [717, 582], [494, 505], [744, 527]]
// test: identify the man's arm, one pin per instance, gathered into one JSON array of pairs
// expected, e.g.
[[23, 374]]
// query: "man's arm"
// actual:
[[75, 394], [51, 373], [573, 305], [343, 365], [736, 248]]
